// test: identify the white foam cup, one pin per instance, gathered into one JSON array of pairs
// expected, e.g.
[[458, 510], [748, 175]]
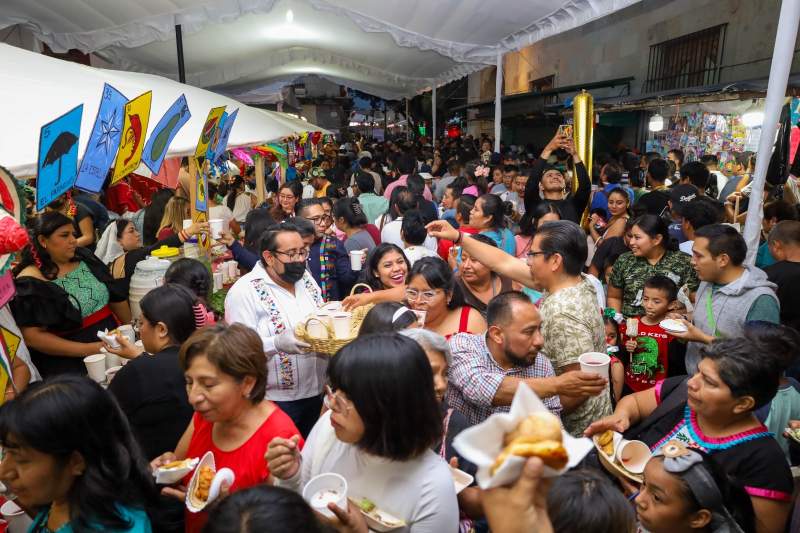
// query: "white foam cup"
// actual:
[[356, 259], [96, 366], [216, 227], [324, 489], [595, 362]]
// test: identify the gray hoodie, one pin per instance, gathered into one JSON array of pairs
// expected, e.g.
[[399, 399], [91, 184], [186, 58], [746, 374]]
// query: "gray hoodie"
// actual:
[[730, 305]]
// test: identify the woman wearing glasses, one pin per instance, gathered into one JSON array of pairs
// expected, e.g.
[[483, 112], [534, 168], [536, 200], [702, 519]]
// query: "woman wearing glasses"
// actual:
[[432, 288], [289, 196], [225, 382], [378, 435], [272, 299]]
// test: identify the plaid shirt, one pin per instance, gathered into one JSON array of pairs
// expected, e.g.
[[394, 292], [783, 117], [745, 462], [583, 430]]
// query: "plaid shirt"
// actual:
[[475, 376]]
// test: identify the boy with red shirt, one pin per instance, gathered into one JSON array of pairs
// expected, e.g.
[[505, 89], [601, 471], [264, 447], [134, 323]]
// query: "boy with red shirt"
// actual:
[[649, 351]]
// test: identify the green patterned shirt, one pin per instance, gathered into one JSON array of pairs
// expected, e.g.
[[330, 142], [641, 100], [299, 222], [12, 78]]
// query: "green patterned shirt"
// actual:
[[630, 272], [85, 290]]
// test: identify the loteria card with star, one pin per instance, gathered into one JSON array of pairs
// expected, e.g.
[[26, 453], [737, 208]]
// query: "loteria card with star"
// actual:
[[103, 141], [131, 142]]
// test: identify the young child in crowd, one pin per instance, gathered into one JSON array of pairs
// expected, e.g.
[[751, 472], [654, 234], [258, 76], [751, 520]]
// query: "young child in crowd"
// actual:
[[649, 347], [685, 490], [616, 370]]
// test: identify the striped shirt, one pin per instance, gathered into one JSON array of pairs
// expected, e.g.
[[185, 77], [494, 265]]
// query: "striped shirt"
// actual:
[[475, 376]]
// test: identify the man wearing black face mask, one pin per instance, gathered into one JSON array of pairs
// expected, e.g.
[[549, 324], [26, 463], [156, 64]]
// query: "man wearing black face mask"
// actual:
[[272, 299]]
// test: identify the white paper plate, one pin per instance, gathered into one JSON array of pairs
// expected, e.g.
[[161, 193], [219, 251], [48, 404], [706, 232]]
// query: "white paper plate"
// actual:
[[676, 326]]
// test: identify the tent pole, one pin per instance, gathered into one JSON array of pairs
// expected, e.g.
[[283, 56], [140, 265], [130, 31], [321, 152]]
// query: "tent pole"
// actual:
[[776, 92], [408, 123], [179, 43], [498, 97], [433, 115]]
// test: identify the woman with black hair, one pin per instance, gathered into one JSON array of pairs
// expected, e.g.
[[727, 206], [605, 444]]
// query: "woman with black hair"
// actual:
[[287, 201], [151, 388], [121, 248], [714, 411], [349, 217], [377, 434], [70, 457], [386, 267], [65, 295], [218, 209], [263, 508], [477, 282], [544, 212], [237, 200], [386, 317], [432, 288], [488, 217], [651, 253], [85, 230]]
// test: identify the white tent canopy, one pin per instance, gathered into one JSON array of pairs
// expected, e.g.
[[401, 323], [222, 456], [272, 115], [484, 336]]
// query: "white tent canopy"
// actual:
[[391, 49], [38, 89]]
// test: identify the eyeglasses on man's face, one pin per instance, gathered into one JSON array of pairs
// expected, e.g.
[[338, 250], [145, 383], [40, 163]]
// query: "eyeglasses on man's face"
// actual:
[[531, 255], [300, 254], [319, 220]]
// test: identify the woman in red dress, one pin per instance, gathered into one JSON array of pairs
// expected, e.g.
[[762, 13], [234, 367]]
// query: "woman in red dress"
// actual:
[[226, 379]]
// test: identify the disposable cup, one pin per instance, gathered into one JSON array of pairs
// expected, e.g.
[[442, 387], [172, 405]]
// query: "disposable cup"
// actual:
[[595, 362], [316, 329], [356, 258], [324, 489], [111, 372], [420, 316], [126, 330], [18, 521], [216, 227], [633, 455], [218, 281], [341, 325], [96, 366], [233, 269], [112, 360]]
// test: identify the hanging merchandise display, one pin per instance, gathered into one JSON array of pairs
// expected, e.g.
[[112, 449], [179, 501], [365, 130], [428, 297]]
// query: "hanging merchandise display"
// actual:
[[700, 133]]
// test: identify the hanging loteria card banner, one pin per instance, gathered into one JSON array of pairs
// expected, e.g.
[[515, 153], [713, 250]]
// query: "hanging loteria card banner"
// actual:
[[103, 141], [167, 128], [131, 142], [212, 146], [58, 157], [222, 143], [9, 343], [201, 188], [209, 127]]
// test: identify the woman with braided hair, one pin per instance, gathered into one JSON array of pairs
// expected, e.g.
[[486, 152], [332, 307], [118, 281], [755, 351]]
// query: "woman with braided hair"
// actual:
[[65, 295], [349, 217]]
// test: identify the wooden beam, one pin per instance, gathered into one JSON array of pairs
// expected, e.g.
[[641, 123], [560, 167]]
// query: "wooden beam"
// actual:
[[260, 185]]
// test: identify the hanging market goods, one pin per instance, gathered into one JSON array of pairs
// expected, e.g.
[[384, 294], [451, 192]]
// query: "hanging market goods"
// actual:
[[58, 156], [699, 133], [103, 141], [225, 133], [167, 128], [209, 127], [242, 155], [131, 142]]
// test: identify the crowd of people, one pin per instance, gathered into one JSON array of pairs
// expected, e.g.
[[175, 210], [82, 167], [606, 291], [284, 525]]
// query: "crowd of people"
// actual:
[[483, 271]]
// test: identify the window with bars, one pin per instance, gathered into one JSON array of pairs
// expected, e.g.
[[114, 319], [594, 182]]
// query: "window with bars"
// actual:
[[688, 61]]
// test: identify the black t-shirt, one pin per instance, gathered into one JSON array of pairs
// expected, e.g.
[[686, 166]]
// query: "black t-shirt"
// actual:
[[151, 390], [655, 202], [786, 275], [753, 458]]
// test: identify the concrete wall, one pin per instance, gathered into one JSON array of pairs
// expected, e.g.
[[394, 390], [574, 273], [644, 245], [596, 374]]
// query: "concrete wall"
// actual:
[[618, 45]]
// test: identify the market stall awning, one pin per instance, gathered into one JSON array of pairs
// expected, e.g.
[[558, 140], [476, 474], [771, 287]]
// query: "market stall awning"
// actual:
[[389, 49], [36, 89]]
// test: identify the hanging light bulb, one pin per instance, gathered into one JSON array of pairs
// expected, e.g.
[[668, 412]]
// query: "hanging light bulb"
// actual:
[[656, 123], [754, 116]]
